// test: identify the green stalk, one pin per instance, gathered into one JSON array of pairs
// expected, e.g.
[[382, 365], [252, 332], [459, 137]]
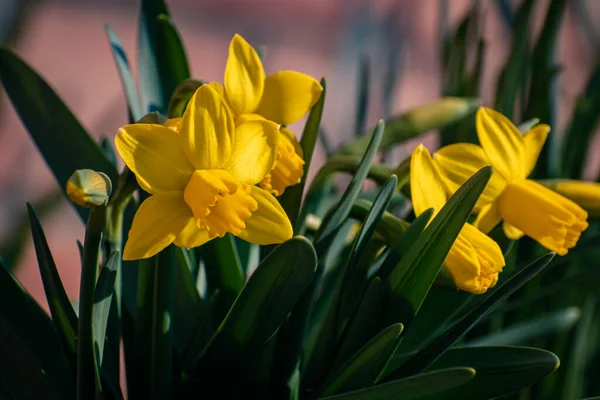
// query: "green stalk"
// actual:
[[86, 374]]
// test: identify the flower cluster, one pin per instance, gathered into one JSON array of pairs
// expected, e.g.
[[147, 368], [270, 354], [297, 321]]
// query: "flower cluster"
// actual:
[[524, 207], [202, 170]]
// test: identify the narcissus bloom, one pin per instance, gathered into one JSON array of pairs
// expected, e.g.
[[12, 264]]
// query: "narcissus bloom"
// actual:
[[474, 260], [201, 171], [525, 206], [283, 97]]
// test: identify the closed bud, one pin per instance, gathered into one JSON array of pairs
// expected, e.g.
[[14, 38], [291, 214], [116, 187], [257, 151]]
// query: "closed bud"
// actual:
[[88, 188]]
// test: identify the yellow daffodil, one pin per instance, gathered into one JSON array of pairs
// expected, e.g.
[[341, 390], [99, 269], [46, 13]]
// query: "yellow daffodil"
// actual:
[[283, 97], [585, 194], [201, 171], [474, 260], [526, 207]]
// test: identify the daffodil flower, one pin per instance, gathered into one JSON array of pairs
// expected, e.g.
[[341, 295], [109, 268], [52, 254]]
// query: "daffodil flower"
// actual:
[[201, 171], [283, 97], [527, 207], [474, 260]]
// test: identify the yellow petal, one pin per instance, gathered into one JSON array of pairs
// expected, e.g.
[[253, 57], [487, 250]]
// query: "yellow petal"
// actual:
[[244, 76], [268, 224], [534, 140], [488, 218], [458, 162], [511, 231], [425, 185], [192, 236], [253, 151], [157, 222], [241, 118], [154, 153], [288, 167], [585, 194], [502, 142], [206, 129], [288, 96], [293, 140]]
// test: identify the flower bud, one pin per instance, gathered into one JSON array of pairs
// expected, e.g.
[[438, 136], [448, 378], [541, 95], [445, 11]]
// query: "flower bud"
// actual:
[[88, 188]]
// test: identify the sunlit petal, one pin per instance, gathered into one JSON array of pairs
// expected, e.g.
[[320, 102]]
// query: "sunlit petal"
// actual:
[[488, 218], [502, 142], [206, 129], [288, 96], [534, 140], [426, 187], [253, 151], [154, 153], [192, 236], [157, 222], [244, 76], [268, 224]]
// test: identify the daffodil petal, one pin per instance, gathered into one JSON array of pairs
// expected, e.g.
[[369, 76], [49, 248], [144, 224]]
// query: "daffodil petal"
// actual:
[[293, 140], [502, 142], [426, 188], [488, 218], [534, 140], [253, 151], [206, 129], [192, 236], [458, 162], [244, 76], [155, 155], [268, 224], [288, 96], [511, 231], [157, 222]]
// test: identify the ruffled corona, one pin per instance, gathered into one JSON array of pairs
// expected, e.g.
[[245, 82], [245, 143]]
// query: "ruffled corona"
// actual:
[[288, 168]]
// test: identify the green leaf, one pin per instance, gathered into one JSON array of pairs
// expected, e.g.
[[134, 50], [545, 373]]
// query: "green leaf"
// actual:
[[419, 387], [162, 61], [364, 367], [406, 242], [20, 371], [524, 332], [410, 281], [437, 347], [59, 136], [262, 306], [390, 228], [332, 222], [436, 115], [292, 197], [223, 271], [182, 95], [102, 301], [187, 303], [125, 74], [62, 311], [363, 325], [511, 78], [501, 370], [36, 332]]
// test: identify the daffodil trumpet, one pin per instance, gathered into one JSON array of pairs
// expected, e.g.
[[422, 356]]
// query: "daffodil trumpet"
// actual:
[[201, 171], [525, 206], [474, 260]]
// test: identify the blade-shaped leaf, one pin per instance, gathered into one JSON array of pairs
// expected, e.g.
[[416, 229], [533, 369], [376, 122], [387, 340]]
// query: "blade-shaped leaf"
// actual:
[[125, 74], [364, 367], [501, 370], [63, 314], [59, 136], [437, 347], [182, 95], [419, 387], [33, 327], [410, 281]]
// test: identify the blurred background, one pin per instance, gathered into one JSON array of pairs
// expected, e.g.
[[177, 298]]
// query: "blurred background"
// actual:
[[65, 42]]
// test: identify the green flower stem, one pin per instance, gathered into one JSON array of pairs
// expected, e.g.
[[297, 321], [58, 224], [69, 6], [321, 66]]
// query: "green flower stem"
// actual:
[[85, 342]]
